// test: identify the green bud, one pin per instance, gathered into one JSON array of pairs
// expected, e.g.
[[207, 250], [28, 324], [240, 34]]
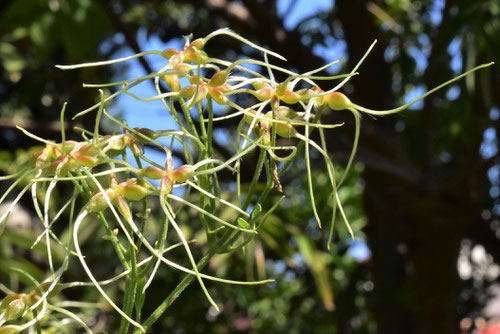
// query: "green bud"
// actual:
[[86, 160], [133, 189], [168, 53], [166, 185], [218, 79], [189, 92], [7, 299], [190, 56], [183, 173], [173, 82], [337, 101], [197, 43], [123, 207], [15, 309], [218, 96], [290, 97], [98, 201], [282, 88], [264, 94], [185, 68], [153, 173], [10, 329], [176, 59], [249, 118], [260, 85], [115, 146]]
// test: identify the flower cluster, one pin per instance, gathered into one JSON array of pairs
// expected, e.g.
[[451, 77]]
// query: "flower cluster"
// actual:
[[109, 184]]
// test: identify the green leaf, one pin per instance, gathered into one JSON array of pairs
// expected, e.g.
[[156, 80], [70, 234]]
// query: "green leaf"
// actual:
[[243, 223]]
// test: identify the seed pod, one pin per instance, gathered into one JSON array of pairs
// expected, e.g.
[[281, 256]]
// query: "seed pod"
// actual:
[[15, 309], [98, 201], [218, 78], [183, 173], [337, 101], [153, 173]]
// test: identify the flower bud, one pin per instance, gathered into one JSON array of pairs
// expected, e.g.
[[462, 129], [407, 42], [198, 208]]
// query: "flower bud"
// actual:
[[146, 132], [123, 207], [260, 85], [282, 88], [15, 309], [184, 68], [98, 201], [218, 95], [249, 118], [115, 146], [305, 94], [290, 97], [166, 185], [190, 91], [197, 43], [36, 156], [86, 149], [337, 101], [133, 189], [218, 79], [190, 56], [173, 82], [86, 160], [134, 147], [183, 173], [275, 103], [168, 53], [285, 130], [10, 329], [225, 87], [153, 173], [264, 94], [285, 111], [8, 299], [176, 60], [65, 165]]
